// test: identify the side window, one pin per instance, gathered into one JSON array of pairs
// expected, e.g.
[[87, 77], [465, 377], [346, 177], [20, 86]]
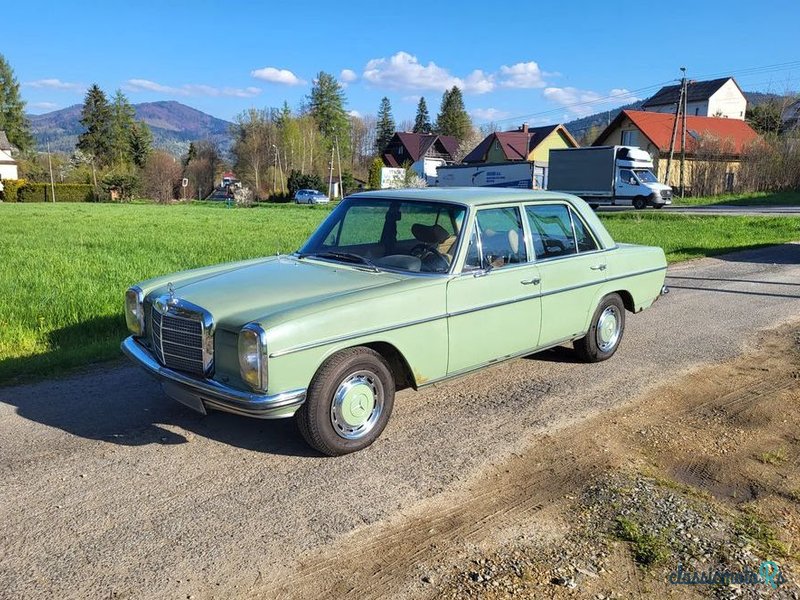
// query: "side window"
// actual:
[[583, 237], [626, 176], [498, 240], [551, 229]]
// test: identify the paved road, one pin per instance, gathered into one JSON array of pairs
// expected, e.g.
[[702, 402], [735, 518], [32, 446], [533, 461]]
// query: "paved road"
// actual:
[[110, 490], [753, 211]]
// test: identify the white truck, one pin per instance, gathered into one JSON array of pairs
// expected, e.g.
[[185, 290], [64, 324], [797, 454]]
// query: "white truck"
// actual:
[[523, 174], [608, 175]]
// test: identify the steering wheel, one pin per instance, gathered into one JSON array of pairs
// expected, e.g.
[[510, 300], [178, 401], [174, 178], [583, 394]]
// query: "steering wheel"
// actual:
[[432, 259]]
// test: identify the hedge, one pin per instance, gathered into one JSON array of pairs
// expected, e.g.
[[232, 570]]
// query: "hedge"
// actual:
[[65, 192]]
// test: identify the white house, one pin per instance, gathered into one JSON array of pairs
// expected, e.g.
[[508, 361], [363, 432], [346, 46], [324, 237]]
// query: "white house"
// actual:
[[8, 166], [715, 98]]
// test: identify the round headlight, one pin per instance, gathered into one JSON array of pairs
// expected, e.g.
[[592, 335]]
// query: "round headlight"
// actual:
[[134, 310], [253, 356]]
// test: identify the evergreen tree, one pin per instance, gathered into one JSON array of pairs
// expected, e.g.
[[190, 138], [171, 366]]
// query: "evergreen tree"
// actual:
[[96, 118], [453, 118], [141, 143], [422, 123], [121, 125], [326, 105], [385, 126], [12, 109]]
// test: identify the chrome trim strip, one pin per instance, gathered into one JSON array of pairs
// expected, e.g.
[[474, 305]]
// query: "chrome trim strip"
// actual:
[[352, 336], [495, 361], [213, 393]]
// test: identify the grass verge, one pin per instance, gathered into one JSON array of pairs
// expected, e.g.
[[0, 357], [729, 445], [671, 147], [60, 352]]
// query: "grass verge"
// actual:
[[752, 199], [65, 267]]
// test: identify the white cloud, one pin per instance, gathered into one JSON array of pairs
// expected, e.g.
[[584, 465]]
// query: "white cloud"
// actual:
[[585, 102], [44, 105], [348, 76], [354, 113], [522, 75], [488, 114], [55, 84], [403, 71], [190, 89], [273, 75]]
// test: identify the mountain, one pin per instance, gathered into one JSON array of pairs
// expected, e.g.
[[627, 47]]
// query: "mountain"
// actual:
[[173, 124], [583, 127]]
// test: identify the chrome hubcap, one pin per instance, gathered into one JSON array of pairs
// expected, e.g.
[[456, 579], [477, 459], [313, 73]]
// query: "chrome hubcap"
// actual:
[[357, 405], [608, 329]]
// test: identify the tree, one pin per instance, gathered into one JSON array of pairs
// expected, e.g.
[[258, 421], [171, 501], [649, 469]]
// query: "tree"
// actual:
[[121, 123], [468, 143], [161, 176], [12, 109], [96, 119], [254, 137], [298, 181], [765, 118], [453, 118], [141, 143], [422, 123], [201, 169], [385, 126], [375, 169], [326, 105]]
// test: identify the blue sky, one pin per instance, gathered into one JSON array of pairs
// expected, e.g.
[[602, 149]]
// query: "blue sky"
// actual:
[[546, 62]]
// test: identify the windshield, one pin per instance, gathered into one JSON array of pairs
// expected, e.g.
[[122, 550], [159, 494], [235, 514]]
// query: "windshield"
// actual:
[[645, 176], [418, 236]]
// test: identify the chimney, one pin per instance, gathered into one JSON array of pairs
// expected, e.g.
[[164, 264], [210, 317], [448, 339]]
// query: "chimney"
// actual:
[[524, 128]]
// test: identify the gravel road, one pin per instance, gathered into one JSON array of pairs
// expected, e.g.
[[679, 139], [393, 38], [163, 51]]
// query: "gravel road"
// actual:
[[111, 490]]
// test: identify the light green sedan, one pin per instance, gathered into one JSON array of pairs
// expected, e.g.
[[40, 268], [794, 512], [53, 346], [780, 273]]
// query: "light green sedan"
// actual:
[[395, 289]]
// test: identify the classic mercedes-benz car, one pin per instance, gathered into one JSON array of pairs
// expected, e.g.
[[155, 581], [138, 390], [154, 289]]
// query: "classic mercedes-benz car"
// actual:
[[395, 289]]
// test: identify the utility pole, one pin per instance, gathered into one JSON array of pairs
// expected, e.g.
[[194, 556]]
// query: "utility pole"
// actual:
[[683, 134], [339, 161], [274, 169], [52, 183], [674, 130], [330, 175]]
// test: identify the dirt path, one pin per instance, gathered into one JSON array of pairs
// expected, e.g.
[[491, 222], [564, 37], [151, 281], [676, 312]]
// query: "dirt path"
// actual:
[[110, 490]]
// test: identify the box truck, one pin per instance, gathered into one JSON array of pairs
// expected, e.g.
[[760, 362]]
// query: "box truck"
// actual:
[[523, 174], [608, 175]]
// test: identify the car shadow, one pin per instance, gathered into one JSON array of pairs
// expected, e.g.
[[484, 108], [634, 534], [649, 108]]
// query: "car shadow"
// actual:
[[781, 254], [559, 354], [120, 404]]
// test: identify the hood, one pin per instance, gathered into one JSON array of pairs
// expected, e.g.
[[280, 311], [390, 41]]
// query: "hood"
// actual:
[[254, 291]]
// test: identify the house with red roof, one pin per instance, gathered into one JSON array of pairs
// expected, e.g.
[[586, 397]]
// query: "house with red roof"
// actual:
[[709, 140], [523, 144], [422, 152]]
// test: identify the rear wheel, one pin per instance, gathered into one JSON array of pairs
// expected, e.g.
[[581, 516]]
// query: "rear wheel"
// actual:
[[639, 202], [349, 402], [605, 332]]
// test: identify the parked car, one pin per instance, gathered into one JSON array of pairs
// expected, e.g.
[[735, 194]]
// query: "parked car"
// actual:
[[310, 197], [395, 289]]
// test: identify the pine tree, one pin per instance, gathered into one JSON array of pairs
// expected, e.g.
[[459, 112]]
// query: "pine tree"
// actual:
[[141, 143], [12, 109], [326, 105], [453, 118], [385, 126], [96, 118], [422, 123], [123, 119]]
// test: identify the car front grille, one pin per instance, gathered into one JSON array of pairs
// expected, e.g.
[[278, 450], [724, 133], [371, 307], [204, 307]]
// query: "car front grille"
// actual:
[[181, 341]]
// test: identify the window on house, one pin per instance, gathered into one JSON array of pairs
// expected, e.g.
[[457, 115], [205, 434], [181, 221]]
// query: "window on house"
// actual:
[[629, 138], [696, 111]]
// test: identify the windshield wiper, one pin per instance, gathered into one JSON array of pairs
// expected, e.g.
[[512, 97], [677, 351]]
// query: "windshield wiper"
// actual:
[[345, 256]]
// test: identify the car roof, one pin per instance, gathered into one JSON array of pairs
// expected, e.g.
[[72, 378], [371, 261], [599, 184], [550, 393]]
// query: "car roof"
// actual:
[[471, 196]]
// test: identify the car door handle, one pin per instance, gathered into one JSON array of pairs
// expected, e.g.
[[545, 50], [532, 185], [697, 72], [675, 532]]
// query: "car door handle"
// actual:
[[534, 281], [598, 268]]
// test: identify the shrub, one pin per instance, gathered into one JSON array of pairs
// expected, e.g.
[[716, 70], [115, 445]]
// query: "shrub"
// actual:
[[65, 192], [374, 177], [11, 189], [298, 181]]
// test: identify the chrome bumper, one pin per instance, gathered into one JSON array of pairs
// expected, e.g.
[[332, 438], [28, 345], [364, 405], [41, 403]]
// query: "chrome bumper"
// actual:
[[207, 393]]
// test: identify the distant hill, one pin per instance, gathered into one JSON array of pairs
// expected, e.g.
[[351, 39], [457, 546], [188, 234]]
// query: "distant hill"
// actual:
[[174, 125], [580, 127]]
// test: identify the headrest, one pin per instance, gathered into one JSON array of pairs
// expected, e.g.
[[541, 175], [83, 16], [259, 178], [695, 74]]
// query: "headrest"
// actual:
[[429, 234], [513, 240]]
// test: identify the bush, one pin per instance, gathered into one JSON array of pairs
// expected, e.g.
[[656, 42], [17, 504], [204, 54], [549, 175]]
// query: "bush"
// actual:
[[11, 189], [65, 192], [298, 181]]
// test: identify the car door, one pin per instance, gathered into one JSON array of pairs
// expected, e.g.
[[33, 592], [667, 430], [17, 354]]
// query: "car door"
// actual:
[[493, 305], [571, 267], [627, 184]]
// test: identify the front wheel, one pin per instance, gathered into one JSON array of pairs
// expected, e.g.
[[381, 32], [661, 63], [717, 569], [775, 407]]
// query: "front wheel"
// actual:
[[605, 332], [639, 202], [348, 403]]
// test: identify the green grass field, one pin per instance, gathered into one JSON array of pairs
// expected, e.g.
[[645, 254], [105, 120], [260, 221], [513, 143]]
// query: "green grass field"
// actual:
[[752, 199], [65, 268]]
